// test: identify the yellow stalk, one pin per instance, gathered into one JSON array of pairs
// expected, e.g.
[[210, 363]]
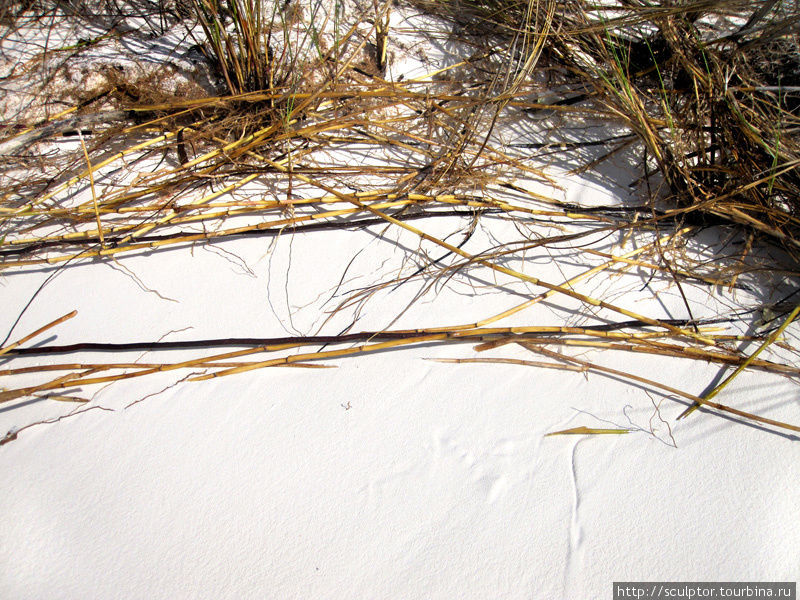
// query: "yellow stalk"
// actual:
[[587, 431], [744, 365], [38, 332], [94, 193]]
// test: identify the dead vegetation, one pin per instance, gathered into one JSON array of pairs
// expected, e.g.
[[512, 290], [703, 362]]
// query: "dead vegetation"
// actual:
[[703, 94]]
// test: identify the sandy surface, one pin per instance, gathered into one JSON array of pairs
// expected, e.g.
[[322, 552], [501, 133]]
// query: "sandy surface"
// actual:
[[387, 476]]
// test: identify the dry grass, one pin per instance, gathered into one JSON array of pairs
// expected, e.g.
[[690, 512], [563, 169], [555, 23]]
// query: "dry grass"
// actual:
[[714, 109], [711, 116]]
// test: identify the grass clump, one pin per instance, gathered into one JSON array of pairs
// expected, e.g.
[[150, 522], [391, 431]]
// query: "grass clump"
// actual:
[[709, 89], [238, 43]]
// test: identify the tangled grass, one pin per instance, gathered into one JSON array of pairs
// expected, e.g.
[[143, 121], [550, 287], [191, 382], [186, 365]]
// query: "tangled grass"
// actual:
[[704, 93]]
